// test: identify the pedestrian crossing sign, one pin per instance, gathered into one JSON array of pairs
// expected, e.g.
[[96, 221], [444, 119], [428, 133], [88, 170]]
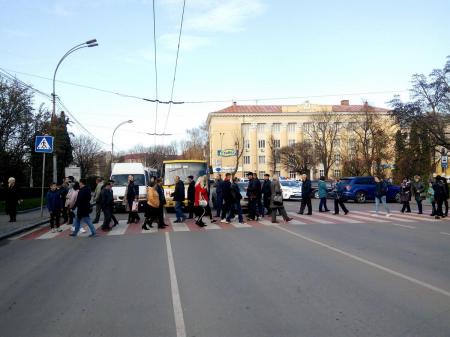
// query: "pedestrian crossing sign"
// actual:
[[44, 144]]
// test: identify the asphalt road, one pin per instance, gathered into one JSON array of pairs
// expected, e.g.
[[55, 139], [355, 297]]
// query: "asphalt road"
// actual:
[[345, 276]]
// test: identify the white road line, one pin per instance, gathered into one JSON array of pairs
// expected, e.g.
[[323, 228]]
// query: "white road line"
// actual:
[[268, 223], [367, 218], [340, 218], [403, 226], [212, 226], [409, 216], [120, 229], [50, 235], [150, 230], [177, 309], [444, 233], [180, 227], [295, 222], [393, 217], [311, 218], [369, 263], [240, 225]]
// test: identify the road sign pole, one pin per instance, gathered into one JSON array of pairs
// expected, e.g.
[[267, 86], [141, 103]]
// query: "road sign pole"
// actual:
[[43, 183]]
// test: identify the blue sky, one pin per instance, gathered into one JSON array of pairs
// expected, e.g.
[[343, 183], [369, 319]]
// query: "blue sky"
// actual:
[[236, 49]]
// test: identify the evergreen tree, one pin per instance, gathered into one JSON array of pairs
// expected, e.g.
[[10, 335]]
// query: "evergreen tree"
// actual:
[[62, 146]]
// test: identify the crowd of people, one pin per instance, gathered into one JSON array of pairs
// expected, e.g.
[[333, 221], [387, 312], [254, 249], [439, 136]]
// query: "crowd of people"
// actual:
[[73, 200]]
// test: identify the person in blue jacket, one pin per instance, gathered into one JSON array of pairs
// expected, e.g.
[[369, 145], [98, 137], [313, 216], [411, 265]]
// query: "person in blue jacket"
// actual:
[[54, 206], [323, 195]]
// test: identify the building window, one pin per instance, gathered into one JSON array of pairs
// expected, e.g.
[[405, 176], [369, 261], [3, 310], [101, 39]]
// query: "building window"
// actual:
[[336, 144], [276, 127], [291, 142], [246, 144], [338, 126], [261, 144], [261, 127], [337, 159], [351, 126], [276, 143], [277, 157], [306, 127], [246, 160], [321, 172], [352, 144], [245, 129], [292, 174], [278, 173], [291, 127], [262, 159], [337, 173], [261, 174]]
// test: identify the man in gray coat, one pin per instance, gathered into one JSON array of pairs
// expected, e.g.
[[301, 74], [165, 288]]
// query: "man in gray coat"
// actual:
[[96, 199]]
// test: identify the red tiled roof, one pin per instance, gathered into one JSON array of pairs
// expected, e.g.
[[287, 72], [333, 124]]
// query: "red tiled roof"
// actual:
[[252, 109], [357, 108]]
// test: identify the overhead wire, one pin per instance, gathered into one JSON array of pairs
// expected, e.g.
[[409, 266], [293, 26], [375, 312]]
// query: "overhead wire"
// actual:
[[156, 66], [176, 66]]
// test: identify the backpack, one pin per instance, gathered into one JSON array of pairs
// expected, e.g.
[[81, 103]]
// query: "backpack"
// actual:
[[152, 197]]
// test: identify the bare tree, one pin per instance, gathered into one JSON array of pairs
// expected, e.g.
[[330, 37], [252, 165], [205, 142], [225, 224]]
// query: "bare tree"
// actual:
[[324, 131], [153, 156], [274, 154], [86, 151], [195, 146], [298, 157], [239, 149]]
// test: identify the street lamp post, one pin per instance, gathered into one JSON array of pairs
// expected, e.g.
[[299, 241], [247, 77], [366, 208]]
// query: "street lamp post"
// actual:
[[112, 138], [87, 44]]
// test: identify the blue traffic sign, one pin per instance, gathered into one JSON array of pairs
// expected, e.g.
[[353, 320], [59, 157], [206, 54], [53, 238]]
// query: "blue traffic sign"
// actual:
[[43, 144]]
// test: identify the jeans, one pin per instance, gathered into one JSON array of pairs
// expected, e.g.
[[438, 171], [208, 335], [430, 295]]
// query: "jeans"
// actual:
[[179, 210], [226, 209], [219, 203], [87, 220], [381, 199], [323, 203], [54, 218], [236, 208], [419, 204]]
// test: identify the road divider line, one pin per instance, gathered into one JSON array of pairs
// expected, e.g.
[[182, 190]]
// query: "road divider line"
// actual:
[[403, 226], [369, 263], [176, 302]]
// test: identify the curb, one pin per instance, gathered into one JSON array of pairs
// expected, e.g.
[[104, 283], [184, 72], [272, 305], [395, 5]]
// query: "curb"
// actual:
[[23, 229]]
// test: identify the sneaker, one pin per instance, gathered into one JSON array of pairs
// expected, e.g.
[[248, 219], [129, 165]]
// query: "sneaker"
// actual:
[[72, 234], [82, 230], [53, 230], [72, 228], [388, 214], [223, 221], [59, 230], [375, 214], [244, 223]]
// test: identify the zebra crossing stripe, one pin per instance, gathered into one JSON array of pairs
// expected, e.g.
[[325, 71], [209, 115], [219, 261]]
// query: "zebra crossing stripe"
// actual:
[[268, 223], [212, 226], [343, 218], [50, 235], [366, 218], [120, 229], [393, 217], [179, 226], [311, 218], [240, 225]]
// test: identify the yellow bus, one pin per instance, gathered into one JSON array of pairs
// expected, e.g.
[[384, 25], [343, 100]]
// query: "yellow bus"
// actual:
[[183, 169]]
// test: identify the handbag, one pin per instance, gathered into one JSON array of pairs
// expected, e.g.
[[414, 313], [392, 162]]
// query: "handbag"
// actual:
[[278, 200], [202, 202], [135, 206]]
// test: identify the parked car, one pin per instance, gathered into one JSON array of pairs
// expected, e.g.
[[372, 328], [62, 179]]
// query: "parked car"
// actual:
[[361, 189], [292, 189], [243, 189], [315, 187]]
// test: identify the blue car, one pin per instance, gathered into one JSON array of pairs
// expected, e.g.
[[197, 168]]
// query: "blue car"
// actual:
[[361, 189]]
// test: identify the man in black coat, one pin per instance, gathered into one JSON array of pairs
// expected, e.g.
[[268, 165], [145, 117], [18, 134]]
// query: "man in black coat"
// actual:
[[219, 195], [106, 201], [179, 196], [191, 196], [306, 195], [162, 202], [252, 195], [227, 197], [84, 208], [259, 206], [266, 194]]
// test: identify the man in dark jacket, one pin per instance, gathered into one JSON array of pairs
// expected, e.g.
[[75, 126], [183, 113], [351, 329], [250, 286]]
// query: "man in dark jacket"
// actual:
[[179, 196], [306, 195], [219, 195], [259, 206], [54, 206], [439, 195], [265, 190], [227, 198], [236, 206], [162, 202], [446, 195], [252, 195], [84, 208], [191, 196], [106, 199]]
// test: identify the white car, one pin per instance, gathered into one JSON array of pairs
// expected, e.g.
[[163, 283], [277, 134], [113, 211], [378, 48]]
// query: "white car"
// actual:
[[292, 189]]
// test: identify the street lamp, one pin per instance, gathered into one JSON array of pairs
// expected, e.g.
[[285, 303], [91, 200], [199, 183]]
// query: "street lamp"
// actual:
[[112, 138], [87, 44]]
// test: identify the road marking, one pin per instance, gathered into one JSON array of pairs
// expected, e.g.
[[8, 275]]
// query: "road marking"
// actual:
[[268, 223], [179, 226], [120, 229], [212, 226], [344, 218], [240, 225], [310, 218], [177, 309], [50, 235], [393, 217], [369, 263], [403, 226], [366, 218], [444, 233], [411, 216], [26, 232]]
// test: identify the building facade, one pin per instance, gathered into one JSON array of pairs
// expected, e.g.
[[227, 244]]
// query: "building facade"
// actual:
[[253, 132]]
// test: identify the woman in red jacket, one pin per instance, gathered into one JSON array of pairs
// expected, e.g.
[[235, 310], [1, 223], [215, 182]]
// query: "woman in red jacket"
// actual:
[[201, 201]]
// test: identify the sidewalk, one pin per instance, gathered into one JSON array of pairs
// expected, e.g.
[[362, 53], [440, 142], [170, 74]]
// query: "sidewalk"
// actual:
[[24, 221]]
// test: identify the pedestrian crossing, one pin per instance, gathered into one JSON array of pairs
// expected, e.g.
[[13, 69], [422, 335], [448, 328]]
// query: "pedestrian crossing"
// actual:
[[353, 217]]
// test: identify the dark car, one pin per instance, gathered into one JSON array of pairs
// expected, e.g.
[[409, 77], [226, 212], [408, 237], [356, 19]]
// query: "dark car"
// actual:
[[315, 187], [361, 189]]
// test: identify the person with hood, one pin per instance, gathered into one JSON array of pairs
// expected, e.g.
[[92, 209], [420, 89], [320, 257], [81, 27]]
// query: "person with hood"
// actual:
[[323, 192], [54, 206], [306, 195], [418, 190], [405, 195], [276, 200], [12, 199]]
